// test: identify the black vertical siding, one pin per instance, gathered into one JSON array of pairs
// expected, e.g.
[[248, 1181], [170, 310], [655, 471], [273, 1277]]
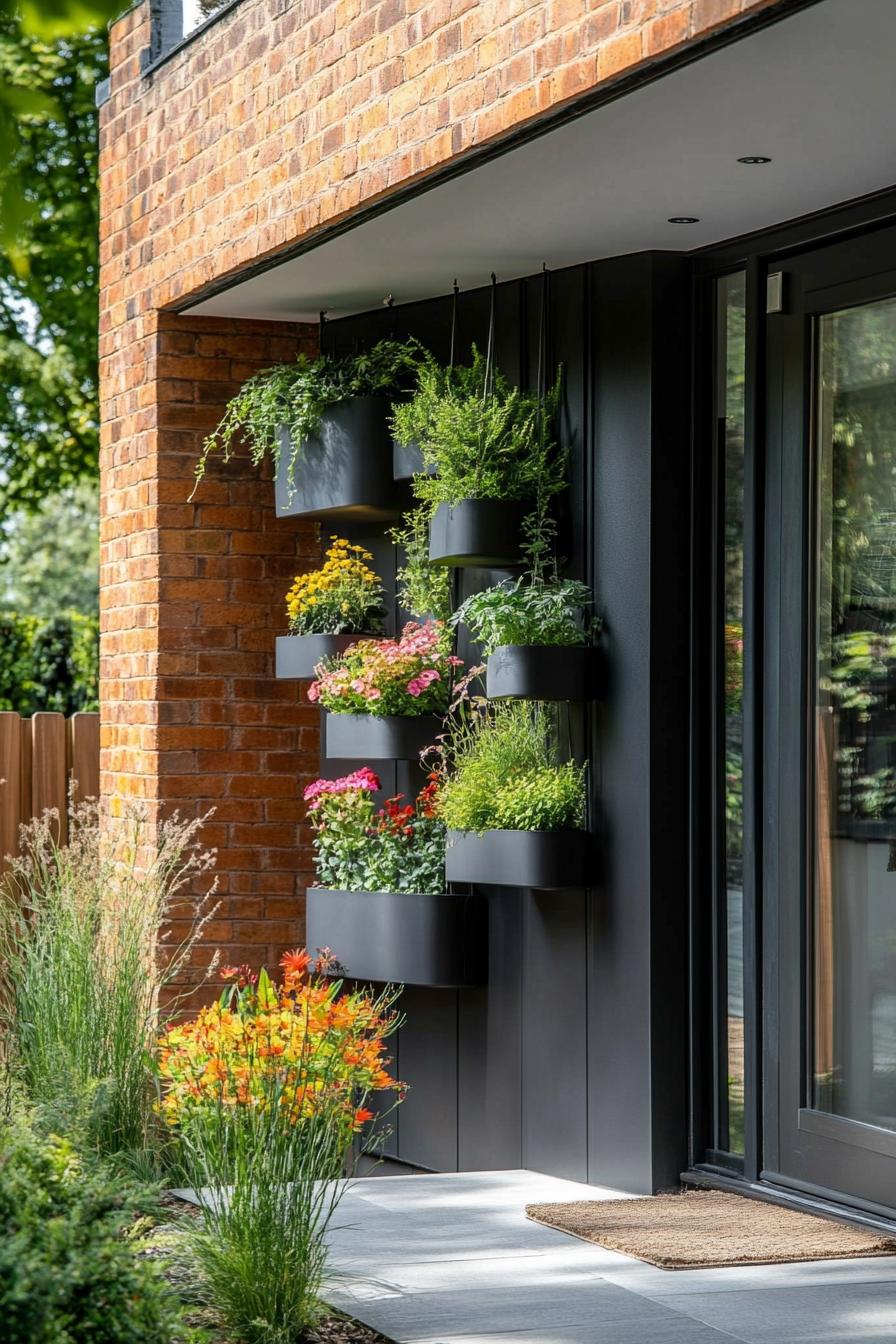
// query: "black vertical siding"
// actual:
[[572, 1059]]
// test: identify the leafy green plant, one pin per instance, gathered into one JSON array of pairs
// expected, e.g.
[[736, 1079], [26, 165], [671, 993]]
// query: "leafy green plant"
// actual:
[[83, 965], [523, 611], [266, 1090], [482, 438], [296, 396], [424, 589], [500, 770], [69, 1272]]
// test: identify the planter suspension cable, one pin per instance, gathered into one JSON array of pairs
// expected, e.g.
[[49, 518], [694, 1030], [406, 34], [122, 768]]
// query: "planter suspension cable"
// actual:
[[489, 387], [456, 291]]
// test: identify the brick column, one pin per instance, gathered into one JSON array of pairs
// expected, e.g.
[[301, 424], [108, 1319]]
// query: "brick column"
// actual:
[[192, 717]]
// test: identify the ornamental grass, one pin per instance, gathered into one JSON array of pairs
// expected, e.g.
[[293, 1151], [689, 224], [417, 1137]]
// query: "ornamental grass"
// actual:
[[266, 1092], [85, 953]]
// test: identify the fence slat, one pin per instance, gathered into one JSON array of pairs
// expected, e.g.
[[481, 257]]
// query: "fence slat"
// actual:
[[38, 758], [49, 768], [84, 731], [10, 783]]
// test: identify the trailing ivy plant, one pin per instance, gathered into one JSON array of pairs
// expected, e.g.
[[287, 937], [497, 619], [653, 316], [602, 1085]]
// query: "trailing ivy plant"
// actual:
[[481, 437], [296, 397], [529, 611]]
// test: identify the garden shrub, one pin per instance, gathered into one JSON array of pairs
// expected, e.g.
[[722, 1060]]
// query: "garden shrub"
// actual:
[[68, 1272], [49, 665]]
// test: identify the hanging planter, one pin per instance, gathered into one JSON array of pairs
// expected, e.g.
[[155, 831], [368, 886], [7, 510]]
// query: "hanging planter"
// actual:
[[547, 860], [383, 737], [324, 421], [478, 532], [344, 470], [401, 938], [542, 672], [297, 656]]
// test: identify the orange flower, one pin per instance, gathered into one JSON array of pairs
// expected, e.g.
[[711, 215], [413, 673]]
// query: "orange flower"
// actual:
[[295, 963], [362, 1115]]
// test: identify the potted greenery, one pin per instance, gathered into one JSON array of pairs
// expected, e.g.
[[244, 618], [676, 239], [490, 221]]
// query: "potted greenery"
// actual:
[[535, 633], [380, 902], [513, 812], [386, 697], [325, 424], [487, 451], [329, 609]]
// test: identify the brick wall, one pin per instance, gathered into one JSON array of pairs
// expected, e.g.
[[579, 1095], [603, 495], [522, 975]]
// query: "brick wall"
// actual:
[[192, 597], [283, 117]]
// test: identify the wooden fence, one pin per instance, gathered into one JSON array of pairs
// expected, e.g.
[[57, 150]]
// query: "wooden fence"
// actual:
[[39, 758]]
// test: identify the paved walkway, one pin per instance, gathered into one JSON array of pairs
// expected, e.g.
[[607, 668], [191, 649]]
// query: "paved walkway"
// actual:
[[451, 1259]]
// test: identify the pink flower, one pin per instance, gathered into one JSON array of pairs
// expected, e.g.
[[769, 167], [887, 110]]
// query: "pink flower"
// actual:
[[314, 692], [416, 687], [364, 780]]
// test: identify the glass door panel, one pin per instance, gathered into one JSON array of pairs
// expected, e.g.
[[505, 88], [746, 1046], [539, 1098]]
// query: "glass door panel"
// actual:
[[853, 1055]]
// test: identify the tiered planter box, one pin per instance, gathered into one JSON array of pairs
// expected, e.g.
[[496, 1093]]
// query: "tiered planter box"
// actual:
[[398, 938], [345, 470], [545, 860], [371, 737], [478, 532], [542, 672], [298, 655]]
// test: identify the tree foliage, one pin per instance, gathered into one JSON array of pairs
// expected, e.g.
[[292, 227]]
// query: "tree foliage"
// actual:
[[49, 558], [51, 58]]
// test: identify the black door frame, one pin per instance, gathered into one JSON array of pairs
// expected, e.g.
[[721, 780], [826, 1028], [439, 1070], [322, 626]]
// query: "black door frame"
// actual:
[[772, 341]]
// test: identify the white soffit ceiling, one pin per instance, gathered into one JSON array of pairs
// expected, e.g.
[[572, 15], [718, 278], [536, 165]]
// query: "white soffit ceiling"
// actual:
[[816, 92]]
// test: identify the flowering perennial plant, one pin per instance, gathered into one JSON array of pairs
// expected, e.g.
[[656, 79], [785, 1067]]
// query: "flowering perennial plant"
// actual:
[[409, 675], [344, 596], [304, 1047], [398, 847]]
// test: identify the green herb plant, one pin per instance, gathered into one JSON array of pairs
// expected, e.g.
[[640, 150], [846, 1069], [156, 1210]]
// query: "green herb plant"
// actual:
[[524, 611], [501, 771], [424, 589], [294, 397]]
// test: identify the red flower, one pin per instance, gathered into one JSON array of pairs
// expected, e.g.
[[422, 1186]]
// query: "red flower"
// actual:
[[362, 1115]]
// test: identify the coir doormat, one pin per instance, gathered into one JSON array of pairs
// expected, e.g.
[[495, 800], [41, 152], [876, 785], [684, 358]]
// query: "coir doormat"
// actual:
[[704, 1229]]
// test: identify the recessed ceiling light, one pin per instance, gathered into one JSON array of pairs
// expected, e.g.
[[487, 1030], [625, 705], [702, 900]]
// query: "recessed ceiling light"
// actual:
[[755, 158], [683, 219]]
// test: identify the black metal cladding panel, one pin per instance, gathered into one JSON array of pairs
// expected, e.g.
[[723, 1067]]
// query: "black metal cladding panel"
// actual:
[[543, 860], [477, 532], [396, 737], [401, 938], [343, 472]]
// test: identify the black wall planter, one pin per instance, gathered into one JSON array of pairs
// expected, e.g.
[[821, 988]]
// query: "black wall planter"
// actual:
[[298, 655], [343, 471], [409, 939], [368, 737], [545, 860], [477, 532], [542, 672]]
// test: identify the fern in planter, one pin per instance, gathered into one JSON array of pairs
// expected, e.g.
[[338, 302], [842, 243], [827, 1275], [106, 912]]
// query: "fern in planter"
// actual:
[[483, 438], [298, 395]]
